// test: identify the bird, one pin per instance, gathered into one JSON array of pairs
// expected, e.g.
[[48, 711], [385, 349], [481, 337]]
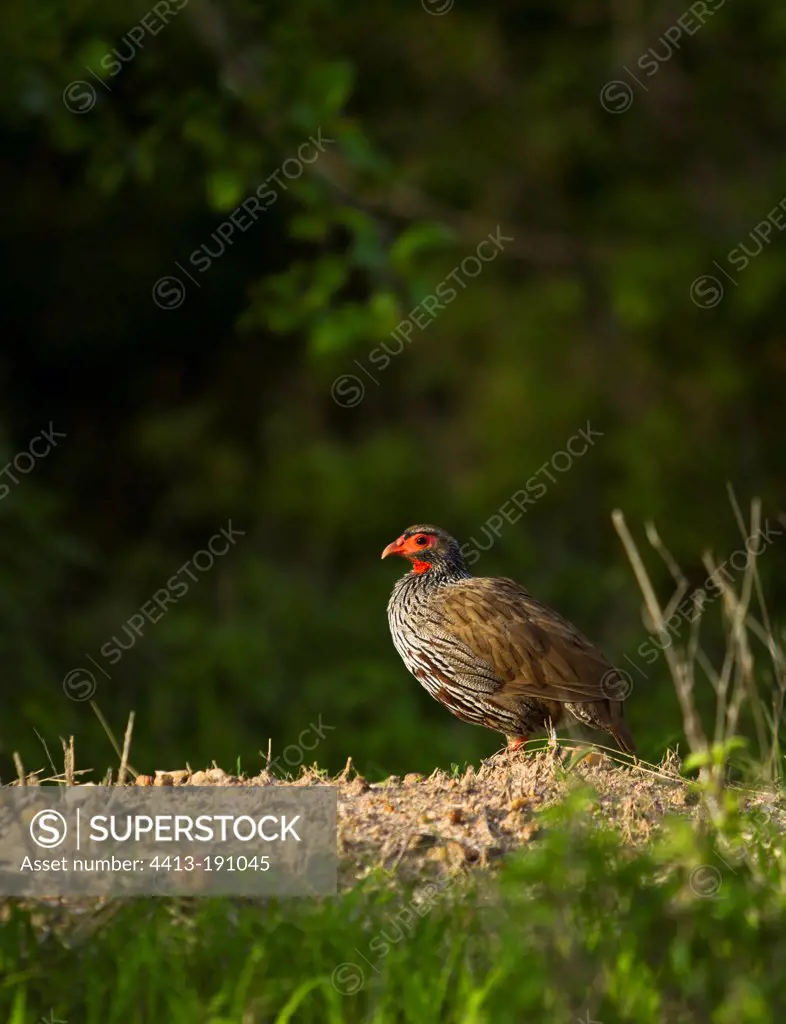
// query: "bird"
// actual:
[[491, 653]]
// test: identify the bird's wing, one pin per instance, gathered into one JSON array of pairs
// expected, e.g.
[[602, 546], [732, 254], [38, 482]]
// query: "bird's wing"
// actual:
[[532, 649]]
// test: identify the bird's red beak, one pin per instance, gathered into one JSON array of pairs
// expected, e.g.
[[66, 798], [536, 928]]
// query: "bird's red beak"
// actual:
[[396, 548]]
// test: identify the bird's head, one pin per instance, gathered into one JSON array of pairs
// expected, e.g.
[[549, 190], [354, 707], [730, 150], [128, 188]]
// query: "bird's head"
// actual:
[[427, 547]]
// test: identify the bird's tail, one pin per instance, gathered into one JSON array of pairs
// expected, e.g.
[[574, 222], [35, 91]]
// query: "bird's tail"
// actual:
[[622, 735]]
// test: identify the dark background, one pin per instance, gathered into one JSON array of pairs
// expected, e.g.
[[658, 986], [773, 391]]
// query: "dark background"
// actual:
[[178, 420]]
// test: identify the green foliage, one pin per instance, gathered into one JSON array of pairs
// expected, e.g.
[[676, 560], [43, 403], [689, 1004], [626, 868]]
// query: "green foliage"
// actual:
[[438, 132], [575, 927], [442, 129]]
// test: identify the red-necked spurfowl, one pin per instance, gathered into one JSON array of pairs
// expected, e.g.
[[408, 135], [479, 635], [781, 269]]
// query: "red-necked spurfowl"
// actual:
[[493, 654]]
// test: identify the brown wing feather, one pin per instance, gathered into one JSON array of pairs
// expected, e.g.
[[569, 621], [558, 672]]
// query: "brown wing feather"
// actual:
[[530, 647]]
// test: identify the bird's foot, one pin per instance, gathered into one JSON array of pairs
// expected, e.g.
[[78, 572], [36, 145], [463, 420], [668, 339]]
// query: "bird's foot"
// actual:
[[516, 742]]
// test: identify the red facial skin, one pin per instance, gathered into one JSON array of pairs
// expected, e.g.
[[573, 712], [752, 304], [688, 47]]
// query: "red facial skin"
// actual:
[[408, 547]]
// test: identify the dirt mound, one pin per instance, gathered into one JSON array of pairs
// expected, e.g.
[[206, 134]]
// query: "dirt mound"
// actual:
[[428, 828]]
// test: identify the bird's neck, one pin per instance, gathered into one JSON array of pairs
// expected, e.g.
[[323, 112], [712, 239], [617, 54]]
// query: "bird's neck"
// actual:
[[430, 575]]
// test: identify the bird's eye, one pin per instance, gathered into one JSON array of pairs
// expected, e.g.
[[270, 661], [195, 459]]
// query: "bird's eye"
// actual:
[[421, 540]]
